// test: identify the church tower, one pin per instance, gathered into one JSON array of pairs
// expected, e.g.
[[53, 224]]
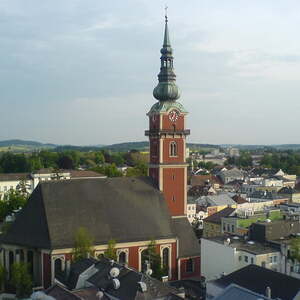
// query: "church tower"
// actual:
[[167, 134]]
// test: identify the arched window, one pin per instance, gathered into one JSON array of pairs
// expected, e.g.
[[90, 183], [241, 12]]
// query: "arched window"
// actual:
[[174, 127], [165, 258], [144, 259], [122, 258], [189, 266], [21, 252], [173, 149]]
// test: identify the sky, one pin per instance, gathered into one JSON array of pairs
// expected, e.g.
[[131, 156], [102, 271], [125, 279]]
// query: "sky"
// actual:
[[82, 72]]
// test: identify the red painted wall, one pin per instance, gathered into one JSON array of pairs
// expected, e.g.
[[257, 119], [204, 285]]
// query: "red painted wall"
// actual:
[[133, 258], [46, 270], [173, 185], [168, 124], [166, 150], [196, 273]]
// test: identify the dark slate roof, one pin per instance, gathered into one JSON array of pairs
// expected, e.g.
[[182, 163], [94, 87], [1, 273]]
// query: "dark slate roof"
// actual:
[[256, 279], [77, 268], [129, 287], [125, 209], [238, 199], [188, 242], [235, 292], [217, 217], [58, 292]]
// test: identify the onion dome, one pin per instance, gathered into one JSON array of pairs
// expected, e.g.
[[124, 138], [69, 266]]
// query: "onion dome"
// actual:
[[166, 90]]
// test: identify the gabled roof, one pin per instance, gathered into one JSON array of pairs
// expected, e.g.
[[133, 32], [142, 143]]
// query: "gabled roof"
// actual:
[[257, 279], [125, 209], [238, 199], [217, 217], [216, 200]]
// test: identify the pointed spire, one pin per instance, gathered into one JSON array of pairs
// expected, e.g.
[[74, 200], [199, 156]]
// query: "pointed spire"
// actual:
[[166, 36], [166, 90]]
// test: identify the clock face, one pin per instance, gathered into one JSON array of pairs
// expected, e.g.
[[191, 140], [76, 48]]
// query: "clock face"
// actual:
[[173, 115]]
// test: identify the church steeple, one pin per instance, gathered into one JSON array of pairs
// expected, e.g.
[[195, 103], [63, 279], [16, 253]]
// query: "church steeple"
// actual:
[[166, 90]]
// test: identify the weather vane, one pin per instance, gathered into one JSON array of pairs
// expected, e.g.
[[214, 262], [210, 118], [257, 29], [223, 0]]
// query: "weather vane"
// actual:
[[166, 13]]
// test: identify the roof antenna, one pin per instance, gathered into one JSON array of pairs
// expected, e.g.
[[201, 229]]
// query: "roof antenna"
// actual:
[[166, 13]]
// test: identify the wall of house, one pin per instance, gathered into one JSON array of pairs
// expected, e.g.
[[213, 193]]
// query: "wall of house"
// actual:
[[211, 229], [46, 269], [196, 270], [216, 259]]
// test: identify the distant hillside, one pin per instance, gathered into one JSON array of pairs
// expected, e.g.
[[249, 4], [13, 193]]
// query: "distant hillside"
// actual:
[[23, 146]]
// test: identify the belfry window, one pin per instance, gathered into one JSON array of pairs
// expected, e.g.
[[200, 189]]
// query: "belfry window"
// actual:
[[173, 149]]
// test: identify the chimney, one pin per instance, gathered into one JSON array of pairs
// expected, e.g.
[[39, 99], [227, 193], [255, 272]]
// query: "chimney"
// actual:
[[268, 292]]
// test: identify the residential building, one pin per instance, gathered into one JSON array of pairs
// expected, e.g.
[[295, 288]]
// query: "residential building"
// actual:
[[191, 209], [259, 280], [225, 254], [215, 203], [112, 281], [212, 224], [231, 175], [239, 223]]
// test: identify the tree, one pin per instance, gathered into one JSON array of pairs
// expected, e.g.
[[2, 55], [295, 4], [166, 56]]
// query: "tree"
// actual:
[[12, 200], [151, 254], [21, 279], [111, 252], [83, 244], [295, 249], [140, 170]]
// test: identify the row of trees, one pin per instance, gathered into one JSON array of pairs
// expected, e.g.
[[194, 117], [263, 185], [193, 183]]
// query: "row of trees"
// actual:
[[83, 248], [288, 161], [72, 159]]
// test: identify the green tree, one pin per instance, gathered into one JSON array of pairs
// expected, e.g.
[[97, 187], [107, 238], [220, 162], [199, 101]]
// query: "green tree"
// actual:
[[151, 254], [12, 200], [83, 244], [110, 170], [111, 252], [295, 249], [140, 170], [21, 279]]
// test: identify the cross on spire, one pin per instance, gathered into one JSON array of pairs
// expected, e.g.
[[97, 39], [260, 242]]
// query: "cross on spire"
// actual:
[[166, 13]]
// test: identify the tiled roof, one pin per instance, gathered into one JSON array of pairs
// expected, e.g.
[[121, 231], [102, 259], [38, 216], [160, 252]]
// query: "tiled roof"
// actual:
[[239, 200], [217, 217]]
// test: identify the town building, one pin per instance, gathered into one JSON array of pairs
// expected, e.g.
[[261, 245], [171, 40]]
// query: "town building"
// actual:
[[212, 225], [225, 254], [262, 281], [231, 175], [132, 211]]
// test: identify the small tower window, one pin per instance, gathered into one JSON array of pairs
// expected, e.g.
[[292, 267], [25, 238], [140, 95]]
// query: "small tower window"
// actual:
[[173, 149]]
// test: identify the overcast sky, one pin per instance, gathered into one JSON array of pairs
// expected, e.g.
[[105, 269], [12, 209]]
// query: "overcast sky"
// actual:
[[82, 71]]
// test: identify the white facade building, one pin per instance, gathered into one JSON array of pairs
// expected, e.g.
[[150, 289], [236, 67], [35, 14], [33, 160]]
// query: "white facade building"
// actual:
[[221, 256]]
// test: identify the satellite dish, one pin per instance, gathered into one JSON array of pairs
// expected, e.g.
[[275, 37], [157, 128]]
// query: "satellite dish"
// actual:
[[100, 295], [116, 283], [149, 272], [114, 272]]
